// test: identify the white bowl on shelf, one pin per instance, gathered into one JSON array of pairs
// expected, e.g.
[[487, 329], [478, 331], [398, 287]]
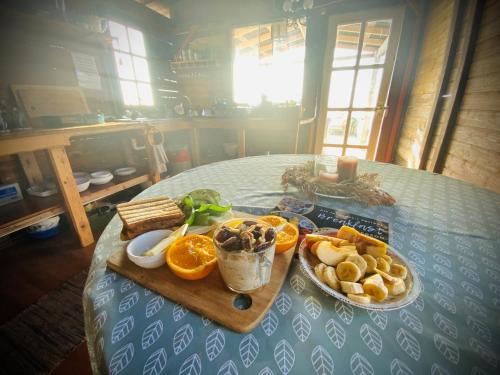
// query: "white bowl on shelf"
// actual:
[[81, 174], [145, 242], [82, 183], [126, 171], [101, 177]]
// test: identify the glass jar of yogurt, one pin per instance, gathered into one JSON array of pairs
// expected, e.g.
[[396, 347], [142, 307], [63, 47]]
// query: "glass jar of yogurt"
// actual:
[[245, 253]]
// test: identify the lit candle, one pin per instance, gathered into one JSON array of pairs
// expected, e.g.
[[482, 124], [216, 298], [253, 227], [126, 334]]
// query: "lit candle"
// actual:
[[347, 167]]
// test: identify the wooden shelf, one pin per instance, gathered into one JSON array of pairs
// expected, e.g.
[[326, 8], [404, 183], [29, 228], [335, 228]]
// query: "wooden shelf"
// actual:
[[31, 210], [96, 192]]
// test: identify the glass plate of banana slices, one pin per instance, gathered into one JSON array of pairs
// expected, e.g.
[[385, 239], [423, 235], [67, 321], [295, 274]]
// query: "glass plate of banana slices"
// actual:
[[384, 282]]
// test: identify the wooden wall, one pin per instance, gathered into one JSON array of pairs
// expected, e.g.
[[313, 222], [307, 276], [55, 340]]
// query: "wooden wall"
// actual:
[[473, 149], [426, 83]]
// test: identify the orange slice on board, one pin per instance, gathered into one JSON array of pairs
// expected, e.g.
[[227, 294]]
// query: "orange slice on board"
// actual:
[[287, 237], [192, 257], [274, 220]]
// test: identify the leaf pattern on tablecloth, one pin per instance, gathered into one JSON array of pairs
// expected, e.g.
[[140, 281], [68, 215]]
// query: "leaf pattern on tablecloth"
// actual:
[[228, 368], [103, 298], [128, 301], [284, 356], [214, 344], [249, 350], [154, 305], [408, 343], [398, 367], [301, 327], [106, 280], [151, 334], [269, 323], [121, 359], [182, 338], [479, 328], [438, 370], [475, 307], [99, 320], [344, 311], [122, 329], [313, 307], [484, 351], [178, 312], [445, 325], [126, 285], [155, 363], [371, 338], [206, 322], [360, 365], [379, 318], [445, 302], [298, 284], [335, 333], [443, 287], [283, 303], [191, 365], [322, 361], [411, 320], [266, 371], [447, 348]]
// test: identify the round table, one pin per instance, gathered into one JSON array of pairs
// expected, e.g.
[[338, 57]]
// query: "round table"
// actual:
[[448, 229]]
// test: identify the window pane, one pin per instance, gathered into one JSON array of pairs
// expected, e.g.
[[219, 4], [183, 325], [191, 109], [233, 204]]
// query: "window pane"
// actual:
[[129, 92], [358, 152], [332, 151], [340, 89], [367, 87], [119, 34], [335, 127], [145, 93], [136, 39], [346, 45], [141, 69], [360, 128], [124, 65], [375, 42]]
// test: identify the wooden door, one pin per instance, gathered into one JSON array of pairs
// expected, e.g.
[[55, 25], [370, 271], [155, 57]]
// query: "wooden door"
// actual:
[[359, 62]]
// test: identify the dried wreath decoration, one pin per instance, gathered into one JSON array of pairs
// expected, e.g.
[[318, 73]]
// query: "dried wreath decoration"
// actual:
[[364, 188]]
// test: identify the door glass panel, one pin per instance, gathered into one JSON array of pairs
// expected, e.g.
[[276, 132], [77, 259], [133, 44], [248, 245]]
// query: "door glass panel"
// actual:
[[332, 151], [335, 127], [358, 152], [340, 88], [367, 87], [136, 42], [346, 45], [141, 69], [145, 94], [360, 128], [119, 34], [375, 42], [129, 92]]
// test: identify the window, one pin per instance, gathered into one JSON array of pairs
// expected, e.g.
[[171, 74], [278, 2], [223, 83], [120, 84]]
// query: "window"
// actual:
[[268, 60], [131, 64]]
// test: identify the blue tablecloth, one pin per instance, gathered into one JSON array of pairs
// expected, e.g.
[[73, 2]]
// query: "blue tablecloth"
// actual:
[[447, 228]]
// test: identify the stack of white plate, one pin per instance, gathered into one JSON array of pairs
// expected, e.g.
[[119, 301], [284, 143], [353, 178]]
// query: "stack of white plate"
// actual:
[[101, 177]]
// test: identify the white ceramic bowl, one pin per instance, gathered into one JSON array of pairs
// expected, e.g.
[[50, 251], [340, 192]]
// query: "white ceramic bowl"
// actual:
[[82, 183], [44, 225], [101, 177], [81, 174], [145, 242], [127, 171]]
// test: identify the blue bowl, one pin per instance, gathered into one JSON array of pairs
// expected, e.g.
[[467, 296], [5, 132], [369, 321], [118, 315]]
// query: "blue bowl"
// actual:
[[45, 233]]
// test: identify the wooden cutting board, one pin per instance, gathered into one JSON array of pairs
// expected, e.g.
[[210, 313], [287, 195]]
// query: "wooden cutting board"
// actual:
[[209, 297]]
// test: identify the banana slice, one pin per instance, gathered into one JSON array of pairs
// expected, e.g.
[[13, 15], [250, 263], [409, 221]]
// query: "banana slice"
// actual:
[[399, 270], [330, 278], [346, 243], [374, 286], [318, 270], [348, 271], [347, 233], [376, 251], [371, 263], [331, 255], [397, 288], [351, 288], [382, 265], [390, 279], [351, 248], [358, 261], [360, 298], [387, 258]]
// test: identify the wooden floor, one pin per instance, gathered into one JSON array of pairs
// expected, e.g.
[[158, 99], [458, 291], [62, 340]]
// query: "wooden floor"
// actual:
[[31, 269]]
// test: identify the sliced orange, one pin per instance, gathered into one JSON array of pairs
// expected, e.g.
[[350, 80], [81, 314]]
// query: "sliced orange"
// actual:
[[192, 257], [286, 238], [274, 220]]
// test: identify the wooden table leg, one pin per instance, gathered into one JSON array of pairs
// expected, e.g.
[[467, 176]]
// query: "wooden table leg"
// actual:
[[72, 200], [241, 143], [31, 168], [195, 146]]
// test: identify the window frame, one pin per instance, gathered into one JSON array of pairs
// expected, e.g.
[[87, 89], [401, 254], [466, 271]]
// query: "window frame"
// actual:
[[132, 55]]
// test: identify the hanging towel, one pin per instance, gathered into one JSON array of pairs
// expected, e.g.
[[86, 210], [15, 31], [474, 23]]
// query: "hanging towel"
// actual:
[[160, 159]]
